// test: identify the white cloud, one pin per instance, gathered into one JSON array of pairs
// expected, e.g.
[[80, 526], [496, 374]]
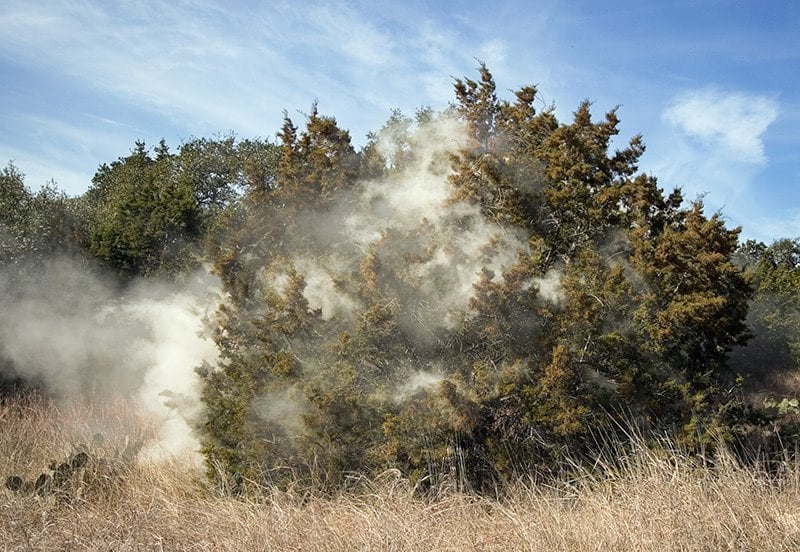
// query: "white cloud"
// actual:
[[493, 53], [211, 69], [199, 66], [712, 146], [438, 50], [343, 30], [733, 121]]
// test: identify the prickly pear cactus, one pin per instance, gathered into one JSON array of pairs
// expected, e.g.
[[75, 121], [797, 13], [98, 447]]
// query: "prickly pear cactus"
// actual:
[[90, 469]]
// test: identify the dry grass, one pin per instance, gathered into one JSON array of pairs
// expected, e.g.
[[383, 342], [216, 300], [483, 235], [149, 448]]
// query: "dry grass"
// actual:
[[658, 501]]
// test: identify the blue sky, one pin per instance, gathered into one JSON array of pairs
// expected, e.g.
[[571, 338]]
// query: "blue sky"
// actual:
[[712, 85]]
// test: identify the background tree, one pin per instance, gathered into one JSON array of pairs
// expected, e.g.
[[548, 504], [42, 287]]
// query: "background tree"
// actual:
[[34, 226], [36, 229], [143, 220], [151, 214], [772, 360]]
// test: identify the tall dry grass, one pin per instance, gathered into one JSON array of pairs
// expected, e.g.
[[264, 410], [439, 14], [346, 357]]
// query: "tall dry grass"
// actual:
[[652, 501]]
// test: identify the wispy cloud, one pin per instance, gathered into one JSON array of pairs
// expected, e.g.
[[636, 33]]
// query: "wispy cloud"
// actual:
[[347, 33], [211, 69], [184, 69], [494, 53], [67, 150], [712, 146], [733, 121]]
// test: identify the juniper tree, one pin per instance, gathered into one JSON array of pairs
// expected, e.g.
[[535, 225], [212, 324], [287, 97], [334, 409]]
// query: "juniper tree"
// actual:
[[611, 297]]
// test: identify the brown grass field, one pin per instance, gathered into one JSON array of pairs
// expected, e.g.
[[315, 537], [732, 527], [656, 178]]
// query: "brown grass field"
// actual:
[[658, 501]]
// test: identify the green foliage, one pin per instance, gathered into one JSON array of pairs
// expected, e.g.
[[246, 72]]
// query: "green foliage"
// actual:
[[694, 309], [769, 364], [142, 218], [151, 215], [33, 226]]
